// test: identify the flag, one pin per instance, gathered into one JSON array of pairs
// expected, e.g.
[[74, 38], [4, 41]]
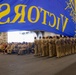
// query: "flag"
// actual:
[[57, 16]]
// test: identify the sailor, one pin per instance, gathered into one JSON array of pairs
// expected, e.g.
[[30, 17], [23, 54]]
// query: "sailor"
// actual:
[[50, 47], [36, 46], [58, 45]]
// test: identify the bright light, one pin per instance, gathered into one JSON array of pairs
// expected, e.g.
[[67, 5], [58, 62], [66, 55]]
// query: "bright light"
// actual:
[[21, 36]]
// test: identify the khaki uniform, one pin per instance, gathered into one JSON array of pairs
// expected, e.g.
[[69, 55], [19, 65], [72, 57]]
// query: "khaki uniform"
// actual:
[[54, 47], [62, 47], [36, 47], [70, 46], [47, 46], [66, 47], [39, 47], [11, 48], [43, 47], [73, 46], [50, 48], [22, 48], [8, 48], [58, 48], [1, 47]]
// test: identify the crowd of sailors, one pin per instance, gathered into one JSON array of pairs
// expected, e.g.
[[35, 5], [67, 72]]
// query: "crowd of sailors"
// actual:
[[55, 46], [44, 46], [16, 48]]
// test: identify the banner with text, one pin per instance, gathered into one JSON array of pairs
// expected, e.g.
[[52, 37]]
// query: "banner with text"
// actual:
[[57, 16]]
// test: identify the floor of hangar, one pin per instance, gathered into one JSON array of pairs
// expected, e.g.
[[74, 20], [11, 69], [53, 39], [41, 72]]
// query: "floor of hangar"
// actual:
[[32, 65]]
